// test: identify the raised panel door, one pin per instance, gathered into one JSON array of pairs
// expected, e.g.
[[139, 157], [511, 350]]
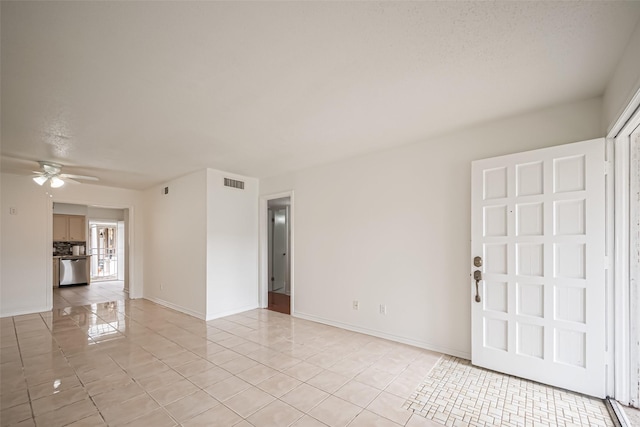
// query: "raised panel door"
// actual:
[[538, 223]]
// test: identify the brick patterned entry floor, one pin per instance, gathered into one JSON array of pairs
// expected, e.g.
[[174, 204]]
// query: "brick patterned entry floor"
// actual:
[[455, 393]]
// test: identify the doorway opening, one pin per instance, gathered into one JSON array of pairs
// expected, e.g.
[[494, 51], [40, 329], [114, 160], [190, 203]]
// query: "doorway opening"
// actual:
[[107, 265], [106, 249], [279, 254]]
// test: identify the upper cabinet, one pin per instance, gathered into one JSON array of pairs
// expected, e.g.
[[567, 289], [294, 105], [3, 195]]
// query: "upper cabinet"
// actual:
[[77, 228], [60, 227], [69, 228]]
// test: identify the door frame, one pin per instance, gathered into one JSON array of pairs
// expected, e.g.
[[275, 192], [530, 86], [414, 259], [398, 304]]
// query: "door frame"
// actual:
[[625, 360], [263, 287], [109, 222], [133, 289], [287, 273]]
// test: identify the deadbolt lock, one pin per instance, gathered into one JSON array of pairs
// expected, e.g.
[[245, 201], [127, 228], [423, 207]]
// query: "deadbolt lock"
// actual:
[[477, 261]]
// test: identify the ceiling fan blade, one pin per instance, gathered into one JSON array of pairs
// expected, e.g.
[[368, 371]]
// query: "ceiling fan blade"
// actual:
[[72, 181], [84, 177]]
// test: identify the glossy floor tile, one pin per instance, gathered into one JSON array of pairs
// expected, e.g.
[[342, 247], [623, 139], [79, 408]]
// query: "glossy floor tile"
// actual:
[[99, 359]]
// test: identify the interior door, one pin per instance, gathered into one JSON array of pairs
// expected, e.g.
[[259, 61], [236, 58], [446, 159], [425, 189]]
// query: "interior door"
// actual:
[[538, 224], [280, 250]]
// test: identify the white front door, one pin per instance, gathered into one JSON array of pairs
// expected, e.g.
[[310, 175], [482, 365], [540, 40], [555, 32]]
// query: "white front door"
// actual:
[[538, 224]]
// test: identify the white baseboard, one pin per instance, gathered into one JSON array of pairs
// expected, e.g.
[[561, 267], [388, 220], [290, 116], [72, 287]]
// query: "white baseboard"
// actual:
[[380, 334], [232, 312], [175, 307], [201, 315], [23, 311]]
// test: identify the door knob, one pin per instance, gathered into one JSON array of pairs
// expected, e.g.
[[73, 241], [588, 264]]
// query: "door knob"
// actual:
[[477, 276]]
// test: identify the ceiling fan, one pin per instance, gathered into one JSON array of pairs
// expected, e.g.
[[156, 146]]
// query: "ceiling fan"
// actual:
[[51, 172]]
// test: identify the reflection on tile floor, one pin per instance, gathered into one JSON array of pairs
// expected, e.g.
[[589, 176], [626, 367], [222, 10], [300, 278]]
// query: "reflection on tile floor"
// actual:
[[100, 359], [132, 362], [68, 296], [458, 394]]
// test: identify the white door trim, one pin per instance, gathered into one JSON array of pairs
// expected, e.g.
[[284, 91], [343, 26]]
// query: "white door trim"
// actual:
[[609, 260], [621, 270], [263, 288], [629, 113], [621, 314], [135, 290], [634, 266]]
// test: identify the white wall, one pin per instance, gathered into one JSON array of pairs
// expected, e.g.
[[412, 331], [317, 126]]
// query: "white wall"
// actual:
[[394, 228], [26, 238], [25, 247], [175, 245], [96, 213], [121, 244], [202, 245], [67, 209], [127, 250], [625, 82], [232, 245]]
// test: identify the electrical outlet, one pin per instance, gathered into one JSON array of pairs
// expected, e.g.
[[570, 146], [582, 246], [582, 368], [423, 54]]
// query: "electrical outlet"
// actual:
[[13, 211], [383, 309], [356, 305]]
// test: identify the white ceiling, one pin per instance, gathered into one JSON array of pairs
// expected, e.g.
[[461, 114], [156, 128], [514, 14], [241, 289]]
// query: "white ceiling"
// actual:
[[138, 93]]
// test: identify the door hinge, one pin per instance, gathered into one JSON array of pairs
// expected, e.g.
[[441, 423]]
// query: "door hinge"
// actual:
[[607, 263]]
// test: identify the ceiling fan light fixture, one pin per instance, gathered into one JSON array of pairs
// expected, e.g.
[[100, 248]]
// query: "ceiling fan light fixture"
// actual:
[[56, 182], [52, 172], [40, 180]]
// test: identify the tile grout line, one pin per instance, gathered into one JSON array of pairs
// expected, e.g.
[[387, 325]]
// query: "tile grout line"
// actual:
[[280, 369], [15, 331]]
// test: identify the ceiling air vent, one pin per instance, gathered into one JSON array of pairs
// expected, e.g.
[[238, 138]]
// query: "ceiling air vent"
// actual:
[[233, 183]]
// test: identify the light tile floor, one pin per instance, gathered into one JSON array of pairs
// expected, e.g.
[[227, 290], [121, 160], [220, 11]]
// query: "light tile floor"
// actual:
[[99, 359]]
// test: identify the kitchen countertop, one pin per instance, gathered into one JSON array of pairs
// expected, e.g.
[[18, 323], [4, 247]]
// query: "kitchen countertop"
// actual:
[[71, 256]]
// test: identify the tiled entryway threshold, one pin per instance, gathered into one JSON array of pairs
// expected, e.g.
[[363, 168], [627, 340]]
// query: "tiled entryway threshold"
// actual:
[[455, 393]]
